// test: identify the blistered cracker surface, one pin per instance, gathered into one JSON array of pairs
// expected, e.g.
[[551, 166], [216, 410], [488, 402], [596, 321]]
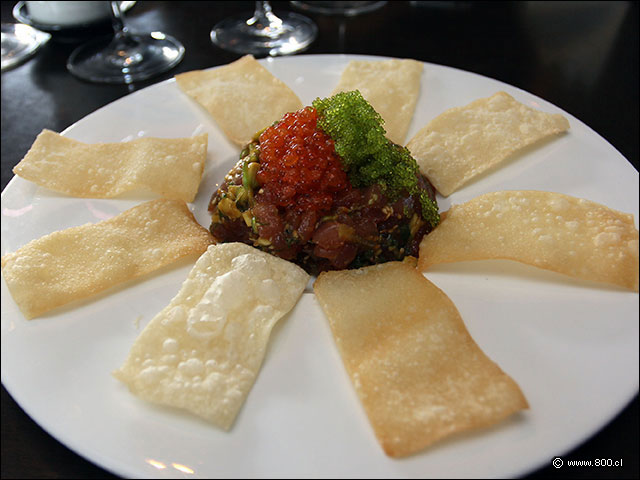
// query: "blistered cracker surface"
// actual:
[[243, 97], [75, 263], [170, 167], [565, 234], [464, 142], [418, 373], [202, 355]]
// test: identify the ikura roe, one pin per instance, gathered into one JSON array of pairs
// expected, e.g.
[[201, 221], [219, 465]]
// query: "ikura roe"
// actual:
[[299, 167]]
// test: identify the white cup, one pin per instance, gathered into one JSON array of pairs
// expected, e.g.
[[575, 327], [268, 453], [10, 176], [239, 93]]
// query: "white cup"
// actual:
[[67, 13]]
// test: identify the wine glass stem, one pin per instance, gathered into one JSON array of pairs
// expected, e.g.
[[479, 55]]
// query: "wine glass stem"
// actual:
[[264, 19], [125, 47], [119, 27]]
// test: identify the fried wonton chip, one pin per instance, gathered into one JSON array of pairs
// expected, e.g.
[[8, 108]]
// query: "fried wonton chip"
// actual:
[[75, 263], [464, 142], [202, 353], [417, 371], [243, 97], [390, 86], [170, 167], [548, 230]]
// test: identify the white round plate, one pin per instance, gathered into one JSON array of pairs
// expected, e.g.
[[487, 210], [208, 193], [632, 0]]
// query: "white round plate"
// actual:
[[571, 346]]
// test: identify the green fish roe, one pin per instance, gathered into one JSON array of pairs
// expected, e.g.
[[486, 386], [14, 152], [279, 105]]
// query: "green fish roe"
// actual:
[[369, 157]]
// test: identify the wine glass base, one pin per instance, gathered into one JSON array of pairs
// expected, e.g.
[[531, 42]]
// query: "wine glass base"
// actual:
[[19, 42], [294, 35], [137, 57], [348, 9]]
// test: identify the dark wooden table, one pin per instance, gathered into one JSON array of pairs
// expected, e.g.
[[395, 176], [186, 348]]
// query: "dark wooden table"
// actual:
[[581, 56]]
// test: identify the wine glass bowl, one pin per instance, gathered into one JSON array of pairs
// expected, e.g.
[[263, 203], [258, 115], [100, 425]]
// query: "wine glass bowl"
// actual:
[[127, 57], [265, 33]]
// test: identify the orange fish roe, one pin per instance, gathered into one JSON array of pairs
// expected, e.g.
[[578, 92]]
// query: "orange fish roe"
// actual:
[[299, 167]]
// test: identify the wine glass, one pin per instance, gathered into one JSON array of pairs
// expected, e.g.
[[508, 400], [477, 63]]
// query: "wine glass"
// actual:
[[19, 42], [265, 33], [127, 57], [348, 9]]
